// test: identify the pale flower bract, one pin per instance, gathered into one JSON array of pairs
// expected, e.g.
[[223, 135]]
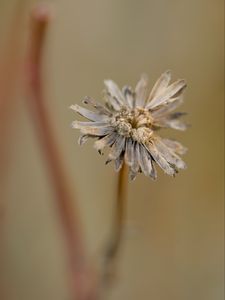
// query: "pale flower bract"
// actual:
[[129, 121]]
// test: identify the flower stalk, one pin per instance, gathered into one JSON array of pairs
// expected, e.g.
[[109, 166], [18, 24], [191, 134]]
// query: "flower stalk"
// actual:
[[114, 244]]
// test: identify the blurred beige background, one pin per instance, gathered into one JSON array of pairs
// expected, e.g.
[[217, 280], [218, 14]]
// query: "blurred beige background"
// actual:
[[173, 247]]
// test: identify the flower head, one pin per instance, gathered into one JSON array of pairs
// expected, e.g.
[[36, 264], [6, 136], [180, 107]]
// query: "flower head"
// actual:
[[128, 123]]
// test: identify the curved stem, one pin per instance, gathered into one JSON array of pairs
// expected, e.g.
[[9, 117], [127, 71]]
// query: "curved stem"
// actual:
[[82, 281]]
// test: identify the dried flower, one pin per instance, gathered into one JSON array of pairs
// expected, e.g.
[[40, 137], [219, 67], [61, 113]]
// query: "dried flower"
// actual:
[[129, 121]]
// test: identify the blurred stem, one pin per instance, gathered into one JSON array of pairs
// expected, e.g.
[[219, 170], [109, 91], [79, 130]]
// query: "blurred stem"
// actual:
[[114, 244], [82, 282]]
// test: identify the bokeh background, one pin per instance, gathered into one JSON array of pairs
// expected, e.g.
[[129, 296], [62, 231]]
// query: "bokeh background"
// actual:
[[173, 242]]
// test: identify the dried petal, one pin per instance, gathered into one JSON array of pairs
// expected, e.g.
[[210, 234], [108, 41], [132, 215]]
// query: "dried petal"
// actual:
[[175, 146], [89, 114], [107, 140], [98, 106], [129, 95], [135, 163], [119, 163], [168, 93], [97, 131], [165, 109], [117, 147], [144, 161], [129, 153], [169, 155], [160, 85], [83, 139], [141, 91], [114, 91], [159, 159]]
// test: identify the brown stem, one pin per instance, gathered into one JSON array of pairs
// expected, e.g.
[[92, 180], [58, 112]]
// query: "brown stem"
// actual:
[[82, 280], [114, 244]]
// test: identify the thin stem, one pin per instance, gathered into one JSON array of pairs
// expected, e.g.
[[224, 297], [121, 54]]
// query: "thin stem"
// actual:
[[82, 282], [114, 244]]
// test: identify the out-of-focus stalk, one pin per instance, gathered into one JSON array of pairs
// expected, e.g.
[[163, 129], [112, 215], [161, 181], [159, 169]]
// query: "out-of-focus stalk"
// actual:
[[82, 279]]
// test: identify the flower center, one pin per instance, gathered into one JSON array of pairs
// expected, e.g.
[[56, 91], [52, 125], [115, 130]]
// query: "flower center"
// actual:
[[135, 123]]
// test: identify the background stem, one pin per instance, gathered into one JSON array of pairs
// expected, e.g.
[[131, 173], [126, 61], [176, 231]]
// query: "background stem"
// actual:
[[82, 282]]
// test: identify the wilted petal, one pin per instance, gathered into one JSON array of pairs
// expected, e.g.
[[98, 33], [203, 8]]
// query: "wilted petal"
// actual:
[[83, 139], [175, 146], [90, 115], [169, 155], [160, 85], [98, 106], [118, 163], [144, 161], [141, 91], [160, 160], [167, 122], [129, 153], [112, 102], [117, 147], [81, 125], [114, 91], [167, 108], [176, 124], [154, 172], [135, 162], [168, 93], [97, 131], [129, 95], [107, 140], [132, 174]]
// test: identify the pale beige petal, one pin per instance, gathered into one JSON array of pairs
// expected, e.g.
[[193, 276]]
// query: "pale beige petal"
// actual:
[[144, 161], [81, 125], [90, 115], [112, 103], [159, 159], [129, 153], [170, 92], [167, 108], [135, 164], [98, 106], [107, 140], [129, 95], [141, 91], [97, 131], [119, 163], [83, 139], [168, 122], [175, 146], [117, 148], [114, 91], [169, 155], [160, 85]]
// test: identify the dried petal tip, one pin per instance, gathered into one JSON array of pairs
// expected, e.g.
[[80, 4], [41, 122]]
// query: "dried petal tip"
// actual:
[[128, 124]]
